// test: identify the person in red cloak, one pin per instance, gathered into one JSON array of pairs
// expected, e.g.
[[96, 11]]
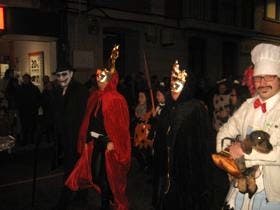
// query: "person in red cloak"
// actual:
[[104, 142]]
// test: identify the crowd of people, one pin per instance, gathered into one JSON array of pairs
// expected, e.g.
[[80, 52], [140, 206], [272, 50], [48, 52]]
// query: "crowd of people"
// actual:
[[171, 127]]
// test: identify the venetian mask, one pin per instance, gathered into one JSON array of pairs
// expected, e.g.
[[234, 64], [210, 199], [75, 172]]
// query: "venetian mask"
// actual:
[[178, 78], [104, 75]]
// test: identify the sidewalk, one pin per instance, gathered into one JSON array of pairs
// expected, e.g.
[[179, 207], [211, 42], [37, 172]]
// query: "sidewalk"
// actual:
[[16, 183]]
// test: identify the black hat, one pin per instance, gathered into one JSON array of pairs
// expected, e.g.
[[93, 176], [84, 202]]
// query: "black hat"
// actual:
[[64, 68]]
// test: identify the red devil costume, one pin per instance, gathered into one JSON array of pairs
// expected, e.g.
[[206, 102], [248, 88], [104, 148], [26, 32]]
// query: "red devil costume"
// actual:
[[113, 108]]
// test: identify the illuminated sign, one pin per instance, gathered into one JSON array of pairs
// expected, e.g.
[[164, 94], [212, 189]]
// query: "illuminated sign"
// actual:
[[2, 22]]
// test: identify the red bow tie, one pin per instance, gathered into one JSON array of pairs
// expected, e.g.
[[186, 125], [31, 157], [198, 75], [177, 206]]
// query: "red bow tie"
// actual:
[[258, 103]]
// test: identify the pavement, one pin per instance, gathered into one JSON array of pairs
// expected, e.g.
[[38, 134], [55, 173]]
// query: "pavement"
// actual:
[[19, 191]]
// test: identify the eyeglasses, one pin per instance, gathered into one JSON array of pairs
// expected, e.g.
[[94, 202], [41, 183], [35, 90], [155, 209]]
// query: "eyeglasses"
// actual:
[[267, 78]]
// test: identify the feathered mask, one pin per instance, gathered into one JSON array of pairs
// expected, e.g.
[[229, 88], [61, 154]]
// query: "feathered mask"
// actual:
[[178, 78], [105, 74]]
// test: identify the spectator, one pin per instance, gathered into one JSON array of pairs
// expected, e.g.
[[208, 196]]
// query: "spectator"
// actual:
[[29, 99], [70, 103], [221, 104]]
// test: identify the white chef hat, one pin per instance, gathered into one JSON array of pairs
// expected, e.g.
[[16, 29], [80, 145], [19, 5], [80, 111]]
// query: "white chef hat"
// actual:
[[266, 59]]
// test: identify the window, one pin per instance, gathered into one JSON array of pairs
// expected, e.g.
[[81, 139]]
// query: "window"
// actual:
[[272, 9], [2, 22], [197, 56], [126, 5], [227, 12], [230, 59], [198, 9], [247, 14]]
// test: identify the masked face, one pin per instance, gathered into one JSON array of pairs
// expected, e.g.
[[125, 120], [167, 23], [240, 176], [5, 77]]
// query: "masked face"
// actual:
[[102, 76], [176, 85], [64, 78], [178, 78]]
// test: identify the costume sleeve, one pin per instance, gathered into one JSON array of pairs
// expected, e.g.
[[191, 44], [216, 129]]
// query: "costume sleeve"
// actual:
[[257, 158], [116, 118], [231, 129]]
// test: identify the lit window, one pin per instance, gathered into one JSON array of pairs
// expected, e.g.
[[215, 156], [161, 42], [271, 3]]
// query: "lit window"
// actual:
[[2, 22], [272, 9]]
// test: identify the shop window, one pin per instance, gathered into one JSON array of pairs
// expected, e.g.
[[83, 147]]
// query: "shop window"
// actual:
[[272, 9]]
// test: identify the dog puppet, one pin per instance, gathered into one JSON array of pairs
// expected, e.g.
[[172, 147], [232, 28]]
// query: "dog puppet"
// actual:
[[245, 177]]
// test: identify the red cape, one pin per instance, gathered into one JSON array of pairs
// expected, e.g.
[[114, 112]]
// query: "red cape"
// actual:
[[116, 122]]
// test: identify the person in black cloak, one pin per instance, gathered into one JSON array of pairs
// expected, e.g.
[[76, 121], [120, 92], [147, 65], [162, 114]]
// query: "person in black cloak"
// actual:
[[159, 144], [70, 103], [185, 131]]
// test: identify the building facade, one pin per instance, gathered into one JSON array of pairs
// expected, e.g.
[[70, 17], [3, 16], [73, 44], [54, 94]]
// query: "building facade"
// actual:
[[211, 38]]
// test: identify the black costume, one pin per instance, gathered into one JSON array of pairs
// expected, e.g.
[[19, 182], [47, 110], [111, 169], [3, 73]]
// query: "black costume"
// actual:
[[182, 144], [69, 112], [159, 124], [98, 158]]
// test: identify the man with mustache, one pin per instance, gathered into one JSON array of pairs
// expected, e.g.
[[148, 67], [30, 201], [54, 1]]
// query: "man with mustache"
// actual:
[[261, 112]]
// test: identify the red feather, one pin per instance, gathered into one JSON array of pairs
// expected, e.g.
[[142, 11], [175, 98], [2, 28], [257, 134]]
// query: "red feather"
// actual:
[[248, 79]]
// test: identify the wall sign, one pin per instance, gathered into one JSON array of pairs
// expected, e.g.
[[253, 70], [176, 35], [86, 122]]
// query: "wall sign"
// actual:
[[36, 63]]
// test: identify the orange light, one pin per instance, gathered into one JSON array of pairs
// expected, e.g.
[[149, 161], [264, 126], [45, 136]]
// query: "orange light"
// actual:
[[2, 23]]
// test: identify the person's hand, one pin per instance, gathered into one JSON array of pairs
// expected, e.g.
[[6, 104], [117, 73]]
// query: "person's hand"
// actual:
[[235, 150], [110, 146]]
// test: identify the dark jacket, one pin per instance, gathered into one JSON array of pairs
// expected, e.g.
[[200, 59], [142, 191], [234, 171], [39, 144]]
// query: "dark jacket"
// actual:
[[68, 114], [188, 135]]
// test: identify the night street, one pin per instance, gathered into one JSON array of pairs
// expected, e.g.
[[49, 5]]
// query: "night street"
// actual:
[[155, 88], [16, 183]]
